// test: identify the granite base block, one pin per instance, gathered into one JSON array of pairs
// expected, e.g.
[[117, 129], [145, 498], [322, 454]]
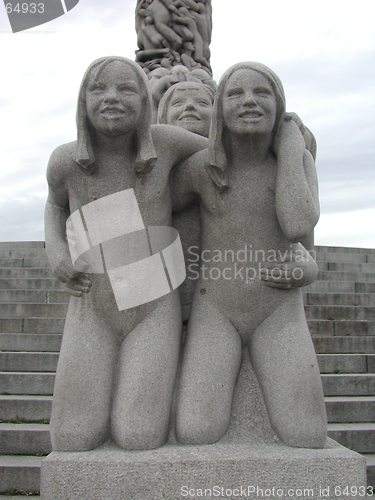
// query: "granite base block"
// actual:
[[221, 470]]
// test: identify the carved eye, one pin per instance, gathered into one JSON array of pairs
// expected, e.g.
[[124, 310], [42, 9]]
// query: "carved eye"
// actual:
[[97, 87], [263, 92], [177, 103], [127, 88], [235, 92], [203, 104]]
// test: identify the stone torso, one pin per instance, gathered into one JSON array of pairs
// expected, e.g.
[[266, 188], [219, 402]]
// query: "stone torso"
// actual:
[[240, 232]]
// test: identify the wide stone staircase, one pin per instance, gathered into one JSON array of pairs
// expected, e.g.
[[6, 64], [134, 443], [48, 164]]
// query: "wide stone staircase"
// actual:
[[340, 308]]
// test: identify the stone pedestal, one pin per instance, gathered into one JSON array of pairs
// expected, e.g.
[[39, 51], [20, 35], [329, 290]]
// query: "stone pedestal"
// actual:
[[221, 470], [248, 456]]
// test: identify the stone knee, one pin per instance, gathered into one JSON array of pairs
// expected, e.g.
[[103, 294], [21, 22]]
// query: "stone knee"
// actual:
[[195, 428], [131, 433], [309, 432], [77, 435]]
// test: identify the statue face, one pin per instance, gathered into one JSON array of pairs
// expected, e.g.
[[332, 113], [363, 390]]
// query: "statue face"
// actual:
[[191, 109], [249, 103], [113, 102]]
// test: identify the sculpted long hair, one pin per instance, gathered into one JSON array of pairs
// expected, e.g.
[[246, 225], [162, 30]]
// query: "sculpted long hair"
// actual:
[[218, 155], [84, 152]]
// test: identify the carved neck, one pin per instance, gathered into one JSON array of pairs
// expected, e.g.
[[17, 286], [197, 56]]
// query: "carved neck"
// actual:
[[119, 144], [249, 149]]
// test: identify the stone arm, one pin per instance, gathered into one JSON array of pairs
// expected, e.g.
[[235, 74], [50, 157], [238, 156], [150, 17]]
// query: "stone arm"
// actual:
[[170, 4], [297, 200], [176, 143], [56, 213], [195, 6]]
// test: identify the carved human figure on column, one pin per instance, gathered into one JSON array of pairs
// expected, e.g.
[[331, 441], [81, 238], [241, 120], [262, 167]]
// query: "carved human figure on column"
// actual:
[[117, 368], [256, 183]]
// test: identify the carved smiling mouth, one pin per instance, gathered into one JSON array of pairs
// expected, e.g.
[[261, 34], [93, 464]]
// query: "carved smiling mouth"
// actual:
[[189, 116], [251, 114], [112, 111]]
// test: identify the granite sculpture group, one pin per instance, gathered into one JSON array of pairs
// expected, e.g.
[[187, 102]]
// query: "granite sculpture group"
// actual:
[[174, 176], [255, 184]]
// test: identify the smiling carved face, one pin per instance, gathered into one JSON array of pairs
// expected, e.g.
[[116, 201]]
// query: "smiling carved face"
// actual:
[[191, 109], [249, 103], [113, 102]]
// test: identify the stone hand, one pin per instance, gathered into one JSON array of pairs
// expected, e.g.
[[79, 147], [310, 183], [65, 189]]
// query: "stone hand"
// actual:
[[289, 135], [289, 275], [76, 283]]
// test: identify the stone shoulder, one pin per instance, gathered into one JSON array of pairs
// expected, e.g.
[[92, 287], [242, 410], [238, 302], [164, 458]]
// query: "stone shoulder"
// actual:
[[61, 162]]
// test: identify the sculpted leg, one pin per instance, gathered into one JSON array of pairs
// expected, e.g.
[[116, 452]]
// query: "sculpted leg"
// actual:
[[211, 362], [285, 363], [83, 387], [146, 377]]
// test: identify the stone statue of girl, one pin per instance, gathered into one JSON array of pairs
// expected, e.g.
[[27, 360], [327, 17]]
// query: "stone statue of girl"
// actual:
[[257, 185]]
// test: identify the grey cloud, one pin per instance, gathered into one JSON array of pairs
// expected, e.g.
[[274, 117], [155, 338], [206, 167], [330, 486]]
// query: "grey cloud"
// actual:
[[22, 219]]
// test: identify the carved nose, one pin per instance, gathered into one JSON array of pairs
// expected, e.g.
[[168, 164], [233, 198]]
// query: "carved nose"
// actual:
[[249, 99], [111, 96], [190, 106]]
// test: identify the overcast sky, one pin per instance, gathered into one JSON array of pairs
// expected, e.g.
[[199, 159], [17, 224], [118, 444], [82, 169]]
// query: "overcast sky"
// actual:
[[323, 51]]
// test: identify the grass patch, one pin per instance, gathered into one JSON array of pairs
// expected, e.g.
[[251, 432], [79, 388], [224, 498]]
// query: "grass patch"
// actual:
[[16, 492], [18, 420]]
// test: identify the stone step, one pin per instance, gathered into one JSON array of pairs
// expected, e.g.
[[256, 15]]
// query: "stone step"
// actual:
[[344, 345], [340, 328], [32, 325], [34, 296], [349, 384], [29, 273], [350, 408], [41, 261], [359, 258], [349, 267], [24, 310], [346, 363], [351, 313], [350, 250], [19, 472], [13, 383], [30, 342], [337, 299], [25, 407], [24, 245], [23, 253], [29, 361], [358, 437], [370, 462], [49, 283], [27, 439], [342, 267], [365, 287], [322, 286], [343, 276], [339, 287]]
